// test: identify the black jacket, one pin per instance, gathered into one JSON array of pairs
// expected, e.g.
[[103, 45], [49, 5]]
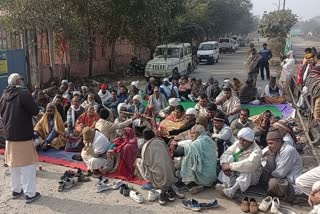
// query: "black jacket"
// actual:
[[17, 107]]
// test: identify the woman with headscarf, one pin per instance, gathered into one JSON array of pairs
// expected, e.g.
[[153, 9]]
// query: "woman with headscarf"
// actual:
[[127, 148], [288, 67], [51, 129]]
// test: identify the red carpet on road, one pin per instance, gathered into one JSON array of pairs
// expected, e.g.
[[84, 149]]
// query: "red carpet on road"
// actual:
[[62, 158]]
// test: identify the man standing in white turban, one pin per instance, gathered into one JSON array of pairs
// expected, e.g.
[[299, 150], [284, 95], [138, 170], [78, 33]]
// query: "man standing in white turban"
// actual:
[[241, 164]]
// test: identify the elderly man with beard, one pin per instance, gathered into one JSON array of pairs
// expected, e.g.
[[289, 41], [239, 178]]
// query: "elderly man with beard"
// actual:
[[199, 162], [241, 164], [73, 114], [222, 133], [17, 108], [230, 104], [283, 167], [50, 129], [173, 102]]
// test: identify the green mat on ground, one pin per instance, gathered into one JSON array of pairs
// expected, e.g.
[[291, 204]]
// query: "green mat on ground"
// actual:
[[254, 109]]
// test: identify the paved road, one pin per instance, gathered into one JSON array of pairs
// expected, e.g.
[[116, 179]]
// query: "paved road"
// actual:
[[83, 199], [229, 66]]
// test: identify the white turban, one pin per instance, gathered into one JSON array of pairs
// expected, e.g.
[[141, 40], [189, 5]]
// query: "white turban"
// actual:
[[84, 87], [173, 102], [137, 97], [226, 80], [64, 81], [247, 134], [76, 93], [120, 106], [192, 111], [135, 83], [165, 80]]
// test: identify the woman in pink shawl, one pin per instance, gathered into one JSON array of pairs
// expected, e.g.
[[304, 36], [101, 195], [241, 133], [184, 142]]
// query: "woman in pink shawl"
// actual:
[[127, 148]]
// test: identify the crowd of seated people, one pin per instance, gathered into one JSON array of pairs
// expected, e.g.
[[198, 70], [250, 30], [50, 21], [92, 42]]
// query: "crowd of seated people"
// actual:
[[150, 130]]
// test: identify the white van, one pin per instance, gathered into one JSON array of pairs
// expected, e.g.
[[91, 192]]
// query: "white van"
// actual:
[[226, 45], [170, 61], [208, 51]]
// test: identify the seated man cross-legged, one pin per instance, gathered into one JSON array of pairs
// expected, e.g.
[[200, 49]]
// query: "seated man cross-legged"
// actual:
[[198, 167], [284, 166], [241, 164]]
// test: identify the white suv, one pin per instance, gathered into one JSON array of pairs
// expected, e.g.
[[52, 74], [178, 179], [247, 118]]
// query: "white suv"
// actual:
[[208, 51], [170, 61], [226, 45]]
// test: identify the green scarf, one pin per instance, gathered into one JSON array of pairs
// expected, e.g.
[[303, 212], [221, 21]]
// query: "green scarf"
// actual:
[[237, 155]]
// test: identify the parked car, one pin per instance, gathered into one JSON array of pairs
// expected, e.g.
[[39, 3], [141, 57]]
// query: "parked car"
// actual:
[[209, 52], [226, 45], [170, 61]]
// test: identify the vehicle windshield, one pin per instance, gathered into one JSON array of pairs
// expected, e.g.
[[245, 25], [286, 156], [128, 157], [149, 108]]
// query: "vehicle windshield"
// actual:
[[224, 40], [206, 47], [167, 52]]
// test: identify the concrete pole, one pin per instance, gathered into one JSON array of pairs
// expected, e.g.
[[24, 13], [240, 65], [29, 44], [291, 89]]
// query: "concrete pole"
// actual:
[[284, 4]]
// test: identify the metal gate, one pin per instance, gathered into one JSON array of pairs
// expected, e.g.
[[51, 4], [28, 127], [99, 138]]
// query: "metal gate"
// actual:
[[11, 61]]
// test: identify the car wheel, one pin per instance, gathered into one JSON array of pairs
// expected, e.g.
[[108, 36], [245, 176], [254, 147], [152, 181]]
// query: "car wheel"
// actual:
[[213, 61]]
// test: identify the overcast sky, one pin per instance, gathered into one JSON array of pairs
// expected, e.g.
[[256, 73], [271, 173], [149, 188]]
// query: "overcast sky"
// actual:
[[305, 9]]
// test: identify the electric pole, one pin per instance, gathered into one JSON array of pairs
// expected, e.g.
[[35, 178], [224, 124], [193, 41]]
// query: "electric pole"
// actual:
[[284, 4]]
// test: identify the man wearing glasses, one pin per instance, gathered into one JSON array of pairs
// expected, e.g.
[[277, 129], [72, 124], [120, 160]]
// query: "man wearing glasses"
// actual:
[[16, 109]]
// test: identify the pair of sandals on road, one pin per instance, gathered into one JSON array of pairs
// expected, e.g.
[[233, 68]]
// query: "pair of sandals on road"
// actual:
[[70, 178]]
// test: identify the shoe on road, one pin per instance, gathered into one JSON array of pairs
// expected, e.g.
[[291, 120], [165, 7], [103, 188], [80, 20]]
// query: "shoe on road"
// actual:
[[154, 195], [32, 199], [163, 199], [136, 196], [191, 204], [16, 195], [265, 204]]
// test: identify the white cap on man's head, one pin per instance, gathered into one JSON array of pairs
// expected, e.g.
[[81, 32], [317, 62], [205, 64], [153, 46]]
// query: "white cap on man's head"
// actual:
[[247, 134], [173, 102], [165, 80], [192, 111]]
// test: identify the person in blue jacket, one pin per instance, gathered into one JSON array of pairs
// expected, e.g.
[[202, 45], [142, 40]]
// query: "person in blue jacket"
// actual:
[[266, 55]]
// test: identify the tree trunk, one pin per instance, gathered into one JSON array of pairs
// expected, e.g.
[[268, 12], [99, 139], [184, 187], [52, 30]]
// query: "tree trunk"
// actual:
[[91, 52], [51, 52], [24, 42], [113, 55], [34, 74]]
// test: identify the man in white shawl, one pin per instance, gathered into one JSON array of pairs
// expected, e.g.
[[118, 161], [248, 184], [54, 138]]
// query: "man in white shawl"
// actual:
[[73, 114], [230, 104], [241, 164]]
